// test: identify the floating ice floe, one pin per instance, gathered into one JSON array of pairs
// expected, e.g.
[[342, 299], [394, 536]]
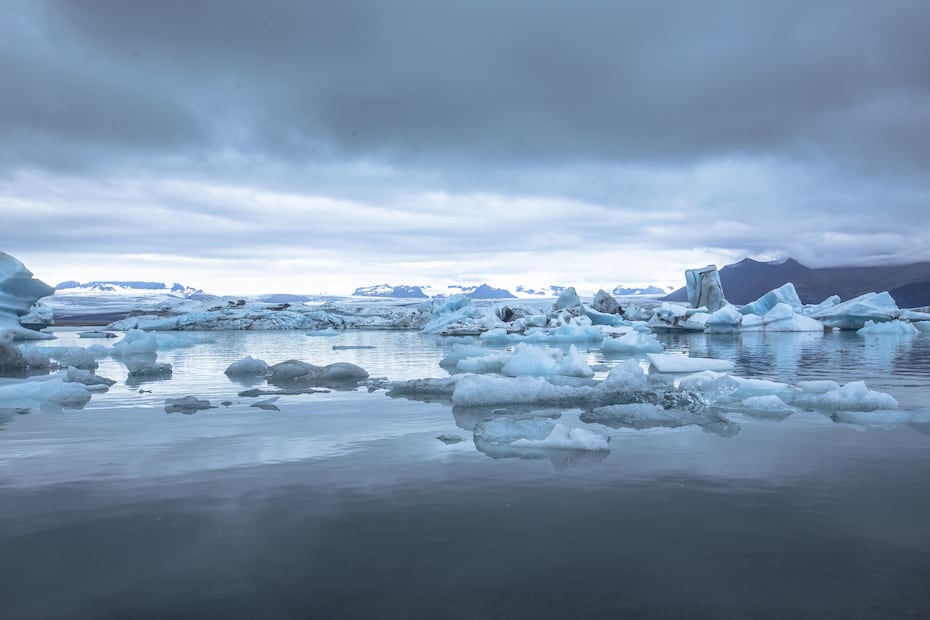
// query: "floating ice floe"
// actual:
[[889, 328], [781, 317], [19, 290], [248, 366], [539, 433], [641, 416], [297, 372], [11, 357], [38, 391], [187, 404], [79, 357], [674, 363], [140, 368], [632, 342], [853, 314], [675, 317]]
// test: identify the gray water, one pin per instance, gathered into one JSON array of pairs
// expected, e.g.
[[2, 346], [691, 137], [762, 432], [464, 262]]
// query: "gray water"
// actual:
[[344, 504]]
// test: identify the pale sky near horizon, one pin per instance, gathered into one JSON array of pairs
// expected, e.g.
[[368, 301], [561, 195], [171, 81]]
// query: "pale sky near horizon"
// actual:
[[306, 147]]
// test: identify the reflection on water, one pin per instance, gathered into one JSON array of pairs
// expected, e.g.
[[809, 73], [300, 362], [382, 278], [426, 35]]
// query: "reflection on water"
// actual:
[[343, 503]]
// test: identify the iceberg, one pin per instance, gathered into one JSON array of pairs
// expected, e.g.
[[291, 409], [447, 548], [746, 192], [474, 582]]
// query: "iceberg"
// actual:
[[854, 396], [53, 390], [297, 372], [135, 342], [565, 438], [853, 314], [785, 294], [568, 299], [604, 303], [19, 290], [88, 379], [704, 288], [147, 368]]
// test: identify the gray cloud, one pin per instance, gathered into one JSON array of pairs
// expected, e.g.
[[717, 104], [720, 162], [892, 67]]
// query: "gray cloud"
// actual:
[[513, 82], [725, 127]]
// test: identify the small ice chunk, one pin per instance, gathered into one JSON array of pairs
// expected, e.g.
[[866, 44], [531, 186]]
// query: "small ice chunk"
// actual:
[[296, 371], [96, 334], [54, 390], [267, 404], [632, 342], [888, 328], [135, 342], [769, 403], [568, 299], [187, 404], [529, 360], [247, 366], [493, 361], [329, 331], [785, 294], [627, 376], [573, 365], [11, 358], [635, 415], [854, 396], [670, 362], [565, 438], [146, 368]]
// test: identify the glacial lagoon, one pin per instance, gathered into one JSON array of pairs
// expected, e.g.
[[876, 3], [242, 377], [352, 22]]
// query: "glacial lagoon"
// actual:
[[345, 502]]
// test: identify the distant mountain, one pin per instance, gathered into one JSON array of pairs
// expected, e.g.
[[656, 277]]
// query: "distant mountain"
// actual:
[[386, 290], [642, 290], [550, 291], [747, 280], [129, 287], [483, 291]]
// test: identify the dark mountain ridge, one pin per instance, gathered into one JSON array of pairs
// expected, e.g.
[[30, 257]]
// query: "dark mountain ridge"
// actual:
[[747, 280]]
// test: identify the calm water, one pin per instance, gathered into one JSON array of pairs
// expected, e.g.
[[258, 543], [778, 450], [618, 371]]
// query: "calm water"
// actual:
[[346, 505]]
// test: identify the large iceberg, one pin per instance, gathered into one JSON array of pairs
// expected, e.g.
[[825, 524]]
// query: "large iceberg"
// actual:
[[704, 288], [19, 290]]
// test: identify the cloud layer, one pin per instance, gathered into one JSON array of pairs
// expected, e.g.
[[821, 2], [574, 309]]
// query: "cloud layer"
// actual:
[[589, 141]]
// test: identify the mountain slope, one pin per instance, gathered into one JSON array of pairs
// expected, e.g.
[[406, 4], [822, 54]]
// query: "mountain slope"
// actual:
[[747, 280]]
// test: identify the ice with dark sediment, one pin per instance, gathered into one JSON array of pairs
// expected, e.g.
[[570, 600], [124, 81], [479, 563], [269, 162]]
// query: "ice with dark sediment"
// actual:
[[248, 366], [294, 372], [38, 391]]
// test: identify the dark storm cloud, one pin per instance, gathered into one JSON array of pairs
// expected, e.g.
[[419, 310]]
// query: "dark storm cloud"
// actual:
[[473, 82], [592, 139]]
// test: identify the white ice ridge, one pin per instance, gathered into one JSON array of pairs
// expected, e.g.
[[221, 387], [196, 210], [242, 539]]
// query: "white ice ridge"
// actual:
[[538, 433], [19, 290], [56, 390]]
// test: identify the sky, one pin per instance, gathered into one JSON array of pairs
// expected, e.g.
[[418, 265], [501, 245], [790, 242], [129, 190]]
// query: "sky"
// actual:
[[314, 147]]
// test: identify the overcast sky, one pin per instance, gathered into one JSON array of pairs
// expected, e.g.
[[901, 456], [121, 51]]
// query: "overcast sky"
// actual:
[[306, 147]]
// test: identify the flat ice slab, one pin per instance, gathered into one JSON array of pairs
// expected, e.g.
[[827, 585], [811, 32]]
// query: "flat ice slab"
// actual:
[[669, 362]]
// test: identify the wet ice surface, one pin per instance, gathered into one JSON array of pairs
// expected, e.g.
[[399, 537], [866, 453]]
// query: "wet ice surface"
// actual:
[[345, 502]]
